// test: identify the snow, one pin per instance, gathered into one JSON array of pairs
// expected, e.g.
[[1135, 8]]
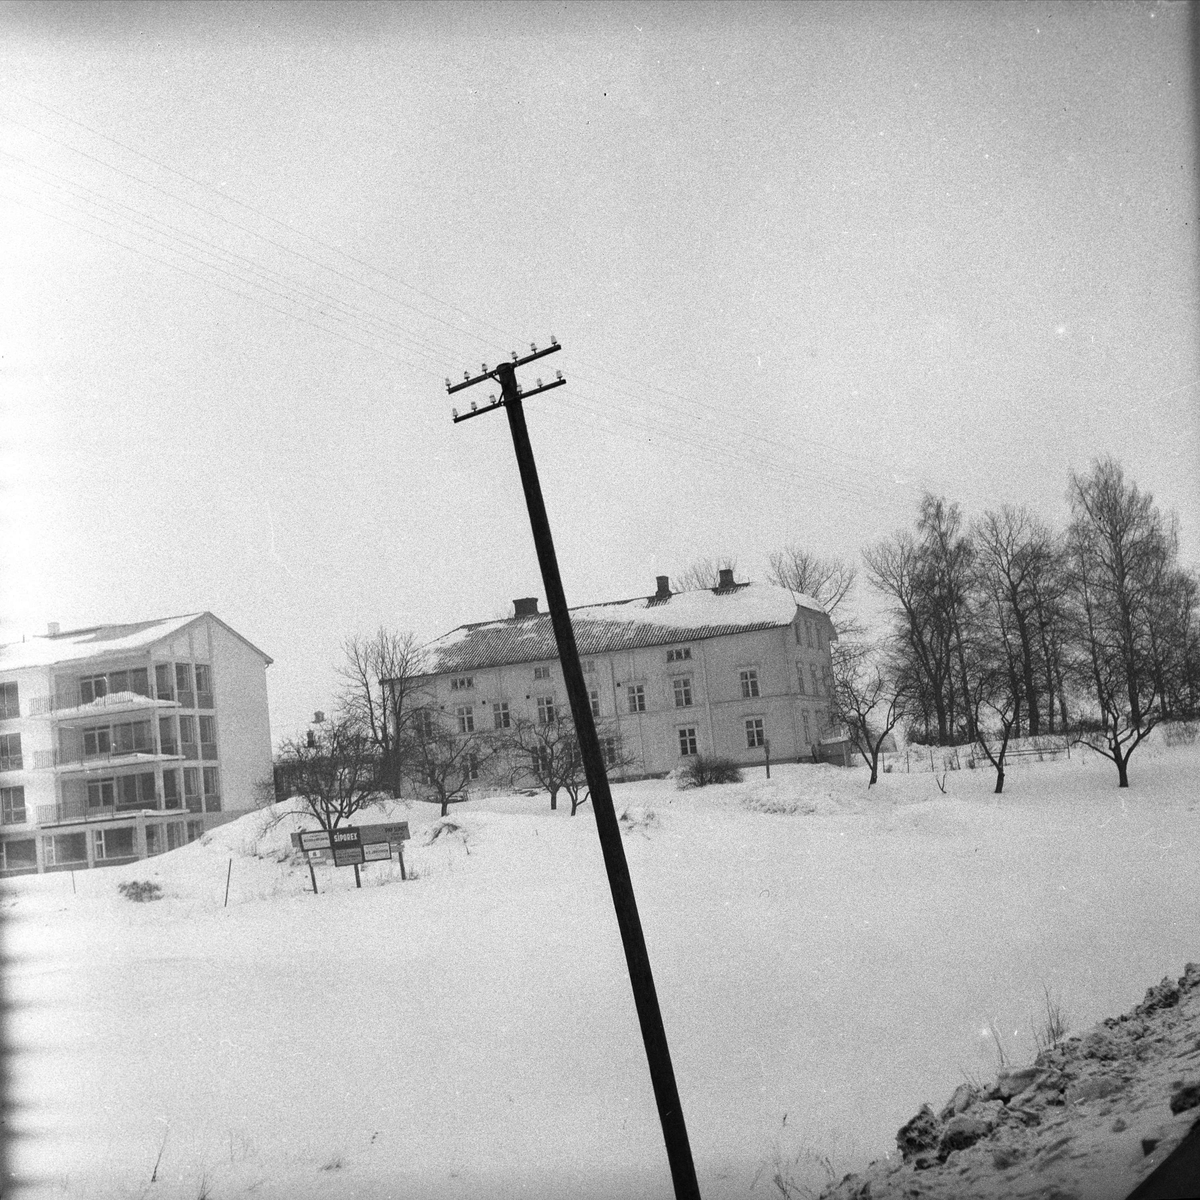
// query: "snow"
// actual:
[[87, 643], [826, 959], [754, 604], [113, 700]]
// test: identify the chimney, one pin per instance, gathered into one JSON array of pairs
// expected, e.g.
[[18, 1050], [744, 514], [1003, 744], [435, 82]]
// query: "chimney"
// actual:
[[52, 629], [525, 607], [664, 587], [726, 578]]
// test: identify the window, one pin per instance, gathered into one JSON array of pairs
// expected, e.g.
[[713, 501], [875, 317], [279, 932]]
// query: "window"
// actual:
[[589, 666], [18, 855], [683, 691], [162, 681], [171, 790], [749, 679], [101, 793], [194, 830], [92, 688], [12, 805], [637, 697], [153, 840], [175, 835], [546, 710], [594, 696], [137, 791], [807, 728], [466, 718], [97, 741], [115, 843], [424, 722], [187, 737], [132, 737], [679, 654], [10, 704], [204, 697], [808, 634], [208, 737], [136, 681], [66, 848], [796, 631], [812, 674], [191, 789], [608, 748], [212, 789], [472, 767], [800, 676], [10, 751], [460, 683], [183, 684], [541, 672], [827, 676], [687, 740], [166, 736], [500, 717], [754, 732]]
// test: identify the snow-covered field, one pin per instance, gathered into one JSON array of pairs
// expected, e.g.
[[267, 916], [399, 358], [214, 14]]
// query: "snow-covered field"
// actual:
[[826, 959]]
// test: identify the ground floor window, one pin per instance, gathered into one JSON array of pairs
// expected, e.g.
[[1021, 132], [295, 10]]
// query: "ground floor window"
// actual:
[[755, 735], [18, 855], [176, 835], [154, 840], [807, 727], [194, 830], [12, 805], [66, 848], [115, 843], [687, 740]]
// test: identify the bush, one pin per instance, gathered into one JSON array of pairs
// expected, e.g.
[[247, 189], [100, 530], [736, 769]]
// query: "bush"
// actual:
[[701, 770], [140, 891], [1180, 733]]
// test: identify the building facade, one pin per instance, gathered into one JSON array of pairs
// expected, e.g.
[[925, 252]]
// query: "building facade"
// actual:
[[119, 742], [722, 671]]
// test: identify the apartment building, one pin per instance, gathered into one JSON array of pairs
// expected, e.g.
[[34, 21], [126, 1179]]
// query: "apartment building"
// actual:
[[720, 671], [119, 742]]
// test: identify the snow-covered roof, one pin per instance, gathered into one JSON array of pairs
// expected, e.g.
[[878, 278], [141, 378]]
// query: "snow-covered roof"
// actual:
[[98, 640], [620, 625]]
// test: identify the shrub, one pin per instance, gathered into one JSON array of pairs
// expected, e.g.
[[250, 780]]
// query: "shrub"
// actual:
[[1180, 733], [140, 890], [702, 770]]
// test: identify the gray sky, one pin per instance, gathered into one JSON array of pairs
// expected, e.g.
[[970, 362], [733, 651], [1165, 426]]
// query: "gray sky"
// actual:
[[804, 261]]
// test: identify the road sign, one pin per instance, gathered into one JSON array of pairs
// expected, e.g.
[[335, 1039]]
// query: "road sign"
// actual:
[[377, 852]]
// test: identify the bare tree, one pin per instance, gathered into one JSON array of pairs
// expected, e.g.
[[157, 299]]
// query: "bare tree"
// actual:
[[379, 693], [1122, 573], [549, 752], [828, 580], [703, 573], [868, 696], [334, 771], [444, 763]]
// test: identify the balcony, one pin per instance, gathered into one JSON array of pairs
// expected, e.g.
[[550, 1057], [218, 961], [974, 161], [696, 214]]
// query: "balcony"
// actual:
[[76, 812], [70, 704], [75, 761]]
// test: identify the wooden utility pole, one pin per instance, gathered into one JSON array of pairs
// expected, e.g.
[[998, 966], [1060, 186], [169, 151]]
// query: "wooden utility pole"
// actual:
[[658, 1055]]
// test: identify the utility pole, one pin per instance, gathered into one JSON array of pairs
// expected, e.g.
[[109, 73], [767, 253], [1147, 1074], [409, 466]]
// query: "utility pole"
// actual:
[[658, 1054]]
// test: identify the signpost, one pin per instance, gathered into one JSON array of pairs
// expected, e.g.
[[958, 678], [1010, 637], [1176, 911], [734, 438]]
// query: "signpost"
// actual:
[[352, 845]]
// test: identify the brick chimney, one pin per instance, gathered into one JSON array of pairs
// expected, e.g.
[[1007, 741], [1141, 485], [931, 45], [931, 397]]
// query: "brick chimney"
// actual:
[[664, 587], [725, 579], [525, 607]]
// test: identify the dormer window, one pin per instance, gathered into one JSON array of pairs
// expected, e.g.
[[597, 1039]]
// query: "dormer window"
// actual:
[[679, 654], [460, 683], [541, 672]]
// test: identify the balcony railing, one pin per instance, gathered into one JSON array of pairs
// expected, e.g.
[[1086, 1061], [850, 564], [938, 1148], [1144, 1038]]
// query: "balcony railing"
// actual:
[[73, 812], [77, 759], [72, 703]]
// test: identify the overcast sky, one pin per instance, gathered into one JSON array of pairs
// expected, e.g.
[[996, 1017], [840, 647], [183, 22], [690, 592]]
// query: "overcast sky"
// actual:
[[804, 261]]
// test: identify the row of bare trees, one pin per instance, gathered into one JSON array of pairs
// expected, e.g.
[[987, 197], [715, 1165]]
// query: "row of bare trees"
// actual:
[[1004, 627], [386, 738]]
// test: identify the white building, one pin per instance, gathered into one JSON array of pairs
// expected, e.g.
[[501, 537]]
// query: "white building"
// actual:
[[720, 671], [122, 741]]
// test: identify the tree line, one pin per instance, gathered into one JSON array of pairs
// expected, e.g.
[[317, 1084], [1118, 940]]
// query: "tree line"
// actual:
[[1003, 627]]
